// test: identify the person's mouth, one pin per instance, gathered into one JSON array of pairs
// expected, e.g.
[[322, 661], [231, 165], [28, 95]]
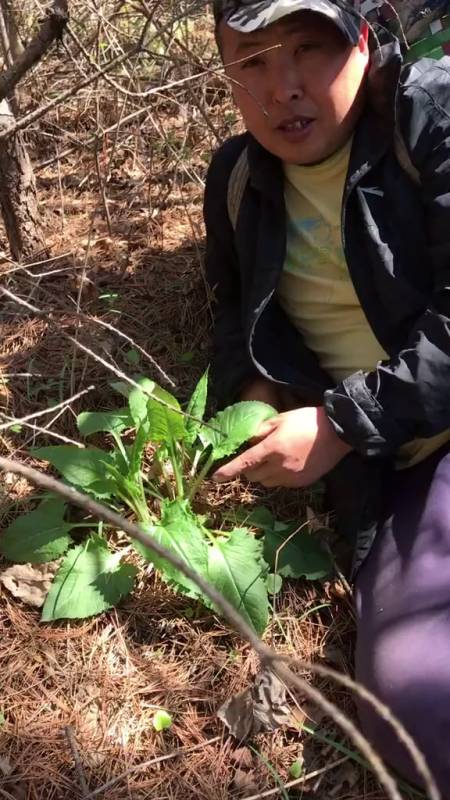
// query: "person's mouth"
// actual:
[[296, 127]]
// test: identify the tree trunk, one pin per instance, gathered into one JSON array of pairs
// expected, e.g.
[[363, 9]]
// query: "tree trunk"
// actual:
[[10, 18], [18, 198]]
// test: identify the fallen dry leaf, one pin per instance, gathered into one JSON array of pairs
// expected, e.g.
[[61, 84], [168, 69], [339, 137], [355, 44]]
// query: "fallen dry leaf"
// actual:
[[16, 790], [346, 777], [242, 757], [6, 768], [261, 707], [244, 783], [30, 582]]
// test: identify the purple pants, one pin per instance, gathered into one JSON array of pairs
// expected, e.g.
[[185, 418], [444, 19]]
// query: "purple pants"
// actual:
[[403, 608]]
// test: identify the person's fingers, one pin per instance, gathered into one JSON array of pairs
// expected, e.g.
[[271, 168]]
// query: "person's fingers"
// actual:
[[266, 471], [248, 460], [264, 430]]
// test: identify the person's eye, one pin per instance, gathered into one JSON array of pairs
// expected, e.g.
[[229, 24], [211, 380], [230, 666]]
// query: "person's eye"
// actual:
[[250, 63], [306, 47]]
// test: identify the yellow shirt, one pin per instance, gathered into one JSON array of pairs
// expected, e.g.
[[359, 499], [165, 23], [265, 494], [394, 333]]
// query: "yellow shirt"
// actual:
[[315, 288]]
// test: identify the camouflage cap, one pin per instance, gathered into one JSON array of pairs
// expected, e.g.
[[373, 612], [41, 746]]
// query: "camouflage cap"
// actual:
[[249, 15]]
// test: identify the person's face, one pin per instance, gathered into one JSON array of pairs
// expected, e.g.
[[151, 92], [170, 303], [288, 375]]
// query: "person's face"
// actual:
[[300, 100]]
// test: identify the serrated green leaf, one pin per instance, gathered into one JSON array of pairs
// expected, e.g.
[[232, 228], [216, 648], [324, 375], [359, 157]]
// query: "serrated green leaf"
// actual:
[[162, 420], [138, 400], [38, 537], [234, 426], [166, 425], [196, 408], [90, 580], [258, 517], [86, 468], [237, 570], [90, 422], [301, 557], [181, 532]]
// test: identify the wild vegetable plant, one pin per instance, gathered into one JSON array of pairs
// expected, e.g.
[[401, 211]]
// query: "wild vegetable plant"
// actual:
[[159, 490]]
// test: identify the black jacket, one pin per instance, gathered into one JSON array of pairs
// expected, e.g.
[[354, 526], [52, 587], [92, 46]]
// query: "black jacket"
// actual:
[[396, 238]]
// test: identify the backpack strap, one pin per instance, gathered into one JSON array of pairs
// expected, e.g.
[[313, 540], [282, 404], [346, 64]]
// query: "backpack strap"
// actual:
[[236, 187], [403, 157], [240, 174]]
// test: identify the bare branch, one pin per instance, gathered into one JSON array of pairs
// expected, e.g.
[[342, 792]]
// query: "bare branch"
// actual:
[[50, 410], [51, 28], [33, 116]]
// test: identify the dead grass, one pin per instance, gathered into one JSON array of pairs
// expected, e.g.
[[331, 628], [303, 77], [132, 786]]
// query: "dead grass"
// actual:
[[106, 677]]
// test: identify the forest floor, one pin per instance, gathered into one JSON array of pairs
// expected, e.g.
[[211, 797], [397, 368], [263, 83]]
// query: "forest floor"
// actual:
[[141, 271]]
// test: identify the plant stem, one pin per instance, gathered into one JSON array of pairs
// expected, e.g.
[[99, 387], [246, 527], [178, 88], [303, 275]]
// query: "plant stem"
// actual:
[[119, 444], [200, 477], [83, 525], [195, 460], [176, 470], [162, 467]]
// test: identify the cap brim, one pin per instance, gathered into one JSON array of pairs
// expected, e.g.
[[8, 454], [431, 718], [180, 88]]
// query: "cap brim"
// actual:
[[249, 18]]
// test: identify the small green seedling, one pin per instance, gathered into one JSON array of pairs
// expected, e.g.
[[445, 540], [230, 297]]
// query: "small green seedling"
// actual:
[[274, 583], [159, 458], [132, 357], [296, 769], [162, 721]]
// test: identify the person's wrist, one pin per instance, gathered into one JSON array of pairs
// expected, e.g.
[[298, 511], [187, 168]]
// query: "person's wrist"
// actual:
[[340, 444]]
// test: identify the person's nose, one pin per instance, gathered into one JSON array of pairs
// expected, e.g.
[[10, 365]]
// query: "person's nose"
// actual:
[[287, 85]]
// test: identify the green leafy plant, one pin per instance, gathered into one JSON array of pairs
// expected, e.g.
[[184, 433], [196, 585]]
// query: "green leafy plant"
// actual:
[[162, 720], [159, 458]]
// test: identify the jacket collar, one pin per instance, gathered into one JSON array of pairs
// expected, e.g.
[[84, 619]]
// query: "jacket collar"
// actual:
[[373, 133]]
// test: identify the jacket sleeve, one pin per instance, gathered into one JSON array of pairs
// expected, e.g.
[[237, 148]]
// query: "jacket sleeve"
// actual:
[[409, 395], [231, 365]]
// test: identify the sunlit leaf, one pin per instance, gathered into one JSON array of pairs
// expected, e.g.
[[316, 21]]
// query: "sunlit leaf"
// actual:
[[196, 408], [237, 570], [162, 720], [90, 422], [138, 400], [86, 468], [164, 417], [181, 533], [90, 580], [38, 537], [234, 426]]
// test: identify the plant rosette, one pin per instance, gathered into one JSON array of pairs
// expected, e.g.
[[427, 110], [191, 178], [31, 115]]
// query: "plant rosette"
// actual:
[[93, 576]]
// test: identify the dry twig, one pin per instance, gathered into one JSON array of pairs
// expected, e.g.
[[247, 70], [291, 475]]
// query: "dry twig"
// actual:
[[51, 28], [70, 736]]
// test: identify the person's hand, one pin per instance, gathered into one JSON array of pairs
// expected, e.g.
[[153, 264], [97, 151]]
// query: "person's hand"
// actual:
[[294, 449]]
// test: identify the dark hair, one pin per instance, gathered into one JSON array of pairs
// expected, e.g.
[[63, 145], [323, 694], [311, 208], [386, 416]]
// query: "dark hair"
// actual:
[[217, 11], [218, 17]]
